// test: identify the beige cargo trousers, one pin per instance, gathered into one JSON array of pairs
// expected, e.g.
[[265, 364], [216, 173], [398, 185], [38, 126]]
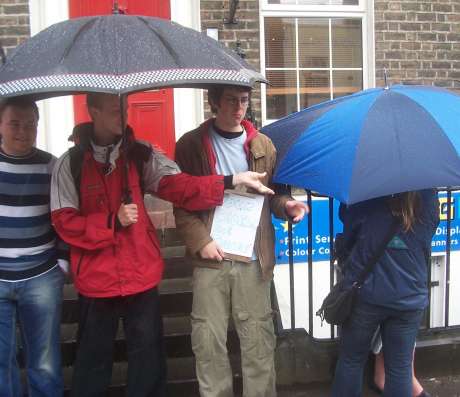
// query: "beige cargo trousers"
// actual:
[[235, 289]]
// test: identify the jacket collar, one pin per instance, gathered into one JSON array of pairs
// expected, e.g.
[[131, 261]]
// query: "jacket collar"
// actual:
[[251, 144], [82, 136]]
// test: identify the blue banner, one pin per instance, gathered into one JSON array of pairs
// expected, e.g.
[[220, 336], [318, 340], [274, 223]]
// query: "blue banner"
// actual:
[[440, 237], [320, 231]]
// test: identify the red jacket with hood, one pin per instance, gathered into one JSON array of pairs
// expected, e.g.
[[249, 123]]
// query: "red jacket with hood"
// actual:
[[106, 260]]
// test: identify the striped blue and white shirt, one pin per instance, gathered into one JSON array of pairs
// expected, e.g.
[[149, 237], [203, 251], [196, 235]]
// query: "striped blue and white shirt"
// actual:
[[28, 243]]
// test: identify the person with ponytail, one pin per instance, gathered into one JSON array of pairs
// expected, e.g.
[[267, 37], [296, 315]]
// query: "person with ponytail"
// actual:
[[394, 295]]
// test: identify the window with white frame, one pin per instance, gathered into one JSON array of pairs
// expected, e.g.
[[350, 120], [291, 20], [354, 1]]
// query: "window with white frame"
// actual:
[[313, 51]]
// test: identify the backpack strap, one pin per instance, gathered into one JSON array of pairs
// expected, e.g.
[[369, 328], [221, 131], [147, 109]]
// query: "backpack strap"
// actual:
[[138, 153], [76, 160]]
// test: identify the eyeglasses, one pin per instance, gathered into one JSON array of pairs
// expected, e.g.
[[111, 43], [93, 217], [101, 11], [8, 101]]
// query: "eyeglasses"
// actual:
[[233, 100]]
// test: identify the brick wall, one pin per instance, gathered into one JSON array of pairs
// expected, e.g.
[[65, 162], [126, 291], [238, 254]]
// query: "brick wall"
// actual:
[[246, 30], [418, 41], [14, 23]]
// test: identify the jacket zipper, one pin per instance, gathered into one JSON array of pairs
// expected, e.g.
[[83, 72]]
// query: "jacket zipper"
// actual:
[[79, 263]]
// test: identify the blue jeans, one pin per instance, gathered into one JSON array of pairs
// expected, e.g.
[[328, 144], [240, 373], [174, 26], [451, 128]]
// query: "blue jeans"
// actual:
[[399, 331], [36, 305]]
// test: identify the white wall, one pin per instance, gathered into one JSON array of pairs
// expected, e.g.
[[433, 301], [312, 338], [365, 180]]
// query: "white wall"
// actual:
[[188, 102], [57, 116]]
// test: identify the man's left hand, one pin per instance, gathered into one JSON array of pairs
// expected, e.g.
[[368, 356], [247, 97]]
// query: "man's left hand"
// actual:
[[296, 210]]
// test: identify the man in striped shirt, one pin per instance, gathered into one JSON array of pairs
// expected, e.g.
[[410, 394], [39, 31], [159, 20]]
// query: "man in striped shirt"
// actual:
[[31, 278]]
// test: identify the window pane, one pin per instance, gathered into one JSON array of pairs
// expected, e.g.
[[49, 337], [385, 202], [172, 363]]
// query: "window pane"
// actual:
[[334, 2], [313, 43], [281, 1], [279, 42], [347, 82], [314, 87], [281, 94], [345, 2], [313, 2], [316, 2], [347, 43]]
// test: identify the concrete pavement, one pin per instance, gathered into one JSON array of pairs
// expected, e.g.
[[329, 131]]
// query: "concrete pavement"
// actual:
[[448, 386]]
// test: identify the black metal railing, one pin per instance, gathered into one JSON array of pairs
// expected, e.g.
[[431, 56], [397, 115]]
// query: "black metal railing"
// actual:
[[332, 271]]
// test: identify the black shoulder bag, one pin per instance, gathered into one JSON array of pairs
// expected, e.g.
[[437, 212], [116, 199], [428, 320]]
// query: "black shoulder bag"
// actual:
[[338, 304]]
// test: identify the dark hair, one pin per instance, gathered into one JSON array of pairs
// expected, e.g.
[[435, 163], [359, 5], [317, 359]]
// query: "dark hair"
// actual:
[[96, 99], [215, 92], [19, 102], [93, 99], [406, 207]]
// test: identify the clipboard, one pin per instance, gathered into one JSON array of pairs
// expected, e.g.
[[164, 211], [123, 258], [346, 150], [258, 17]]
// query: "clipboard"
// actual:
[[235, 224]]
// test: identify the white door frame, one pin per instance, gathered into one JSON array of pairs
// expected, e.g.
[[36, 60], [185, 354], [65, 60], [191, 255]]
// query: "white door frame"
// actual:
[[56, 114]]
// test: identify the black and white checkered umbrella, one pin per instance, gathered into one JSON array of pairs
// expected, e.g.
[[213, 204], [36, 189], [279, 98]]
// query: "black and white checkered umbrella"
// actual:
[[119, 54]]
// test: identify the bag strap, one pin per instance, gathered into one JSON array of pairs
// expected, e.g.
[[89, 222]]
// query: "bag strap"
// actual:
[[138, 152], [378, 253], [76, 161]]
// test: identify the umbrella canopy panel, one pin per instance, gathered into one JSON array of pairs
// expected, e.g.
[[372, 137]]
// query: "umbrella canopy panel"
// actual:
[[120, 54], [371, 144]]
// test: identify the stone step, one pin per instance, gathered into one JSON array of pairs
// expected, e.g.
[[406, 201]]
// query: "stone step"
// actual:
[[173, 326], [181, 377], [177, 345], [177, 267], [174, 301]]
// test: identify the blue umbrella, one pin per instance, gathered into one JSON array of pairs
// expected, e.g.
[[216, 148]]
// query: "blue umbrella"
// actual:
[[374, 143]]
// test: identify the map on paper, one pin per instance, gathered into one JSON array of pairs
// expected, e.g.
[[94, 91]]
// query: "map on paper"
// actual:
[[235, 223]]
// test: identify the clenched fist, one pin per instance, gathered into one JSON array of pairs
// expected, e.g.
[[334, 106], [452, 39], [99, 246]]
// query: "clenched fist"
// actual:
[[127, 214]]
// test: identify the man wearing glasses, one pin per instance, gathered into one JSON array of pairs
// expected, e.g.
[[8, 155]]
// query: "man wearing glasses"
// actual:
[[227, 143]]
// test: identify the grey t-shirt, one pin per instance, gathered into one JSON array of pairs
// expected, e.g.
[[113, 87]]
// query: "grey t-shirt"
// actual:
[[230, 156]]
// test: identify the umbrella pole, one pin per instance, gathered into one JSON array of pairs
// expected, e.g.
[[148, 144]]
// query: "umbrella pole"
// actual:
[[126, 195], [385, 78]]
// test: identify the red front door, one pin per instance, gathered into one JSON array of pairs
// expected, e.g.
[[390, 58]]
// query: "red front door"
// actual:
[[150, 113]]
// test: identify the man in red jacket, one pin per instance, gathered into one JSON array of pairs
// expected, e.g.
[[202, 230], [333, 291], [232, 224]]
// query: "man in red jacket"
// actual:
[[115, 255]]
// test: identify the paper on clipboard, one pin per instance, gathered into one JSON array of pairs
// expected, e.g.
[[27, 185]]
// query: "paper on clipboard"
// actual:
[[235, 223]]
